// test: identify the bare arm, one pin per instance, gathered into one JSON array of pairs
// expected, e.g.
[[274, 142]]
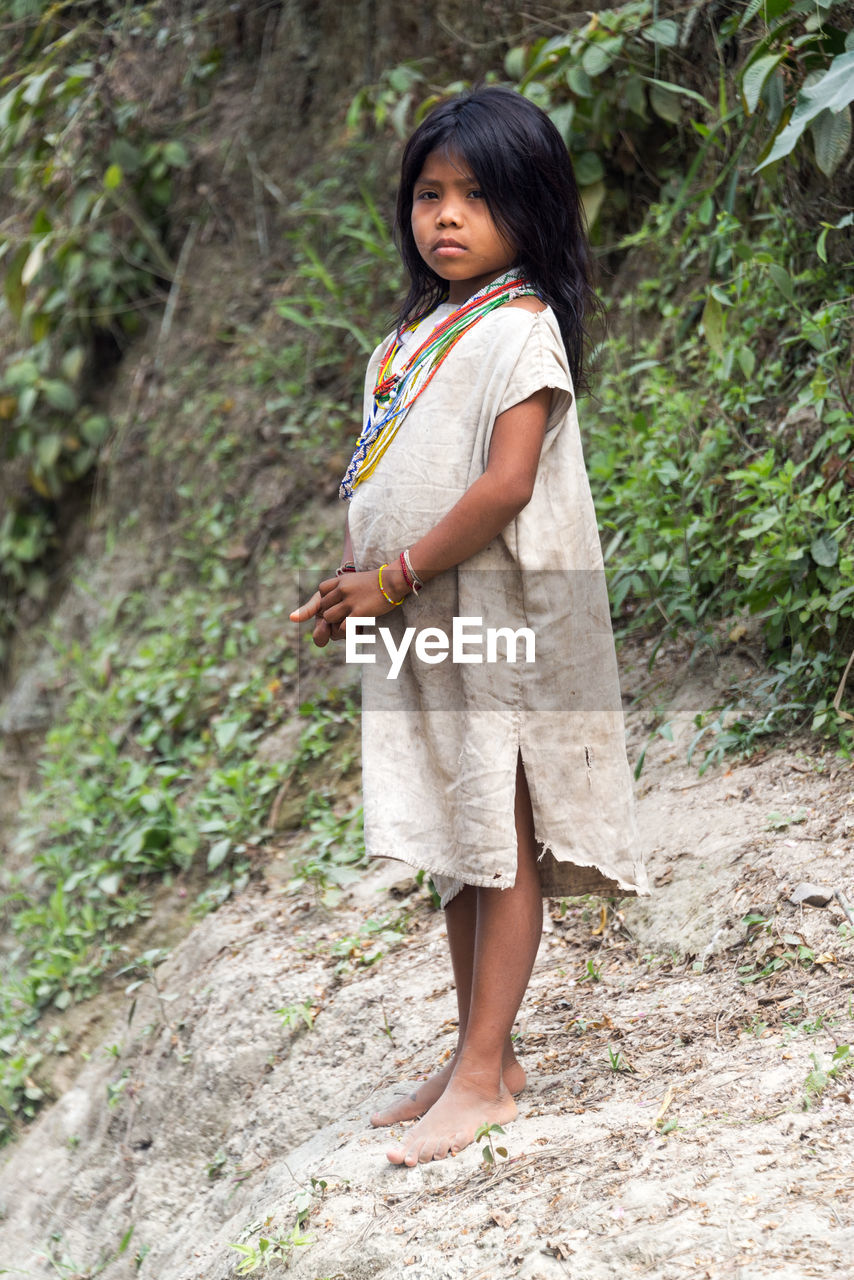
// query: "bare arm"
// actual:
[[486, 507], [494, 499], [347, 553]]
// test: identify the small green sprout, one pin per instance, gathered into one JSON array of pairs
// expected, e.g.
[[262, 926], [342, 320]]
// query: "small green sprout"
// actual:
[[293, 1014], [618, 1062], [269, 1250], [489, 1151]]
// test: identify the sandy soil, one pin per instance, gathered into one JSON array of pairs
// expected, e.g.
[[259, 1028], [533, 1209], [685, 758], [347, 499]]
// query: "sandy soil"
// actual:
[[681, 1122]]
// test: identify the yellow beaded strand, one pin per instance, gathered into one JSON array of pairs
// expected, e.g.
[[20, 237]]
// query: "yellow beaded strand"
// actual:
[[382, 588]]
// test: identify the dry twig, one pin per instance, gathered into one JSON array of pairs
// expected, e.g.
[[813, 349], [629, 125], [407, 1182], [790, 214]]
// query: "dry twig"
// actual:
[[837, 701]]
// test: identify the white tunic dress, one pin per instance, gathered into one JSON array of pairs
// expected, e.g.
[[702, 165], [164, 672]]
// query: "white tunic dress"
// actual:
[[440, 741]]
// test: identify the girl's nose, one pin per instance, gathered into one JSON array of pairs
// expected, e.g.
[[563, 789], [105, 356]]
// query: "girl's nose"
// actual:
[[448, 214]]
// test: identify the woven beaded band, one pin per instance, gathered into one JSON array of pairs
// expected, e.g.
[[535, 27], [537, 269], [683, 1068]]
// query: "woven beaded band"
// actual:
[[349, 567]]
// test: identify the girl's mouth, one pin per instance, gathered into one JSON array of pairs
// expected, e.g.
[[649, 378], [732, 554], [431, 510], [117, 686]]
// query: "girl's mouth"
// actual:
[[448, 249]]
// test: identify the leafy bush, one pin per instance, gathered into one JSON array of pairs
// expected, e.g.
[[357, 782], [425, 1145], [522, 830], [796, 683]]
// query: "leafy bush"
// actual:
[[721, 453], [87, 186], [642, 94]]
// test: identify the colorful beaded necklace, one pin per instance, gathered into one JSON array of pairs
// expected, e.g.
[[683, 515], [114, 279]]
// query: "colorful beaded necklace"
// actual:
[[395, 393]]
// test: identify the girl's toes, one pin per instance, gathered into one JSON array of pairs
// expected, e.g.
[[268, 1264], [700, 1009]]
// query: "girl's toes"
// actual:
[[436, 1149], [458, 1141], [421, 1151], [443, 1149]]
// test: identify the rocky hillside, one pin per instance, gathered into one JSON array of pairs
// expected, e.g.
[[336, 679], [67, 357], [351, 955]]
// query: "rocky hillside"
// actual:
[[688, 1110]]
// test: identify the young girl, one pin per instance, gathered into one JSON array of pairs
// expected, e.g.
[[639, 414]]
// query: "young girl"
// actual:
[[503, 775]]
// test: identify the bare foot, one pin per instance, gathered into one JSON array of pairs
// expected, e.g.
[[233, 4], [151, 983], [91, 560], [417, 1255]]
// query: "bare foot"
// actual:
[[412, 1105], [452, 1122]]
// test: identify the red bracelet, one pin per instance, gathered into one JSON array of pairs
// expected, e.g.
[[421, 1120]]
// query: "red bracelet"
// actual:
[[349, 567]]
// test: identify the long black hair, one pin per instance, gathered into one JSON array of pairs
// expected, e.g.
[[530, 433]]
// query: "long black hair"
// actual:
[[519, 161]]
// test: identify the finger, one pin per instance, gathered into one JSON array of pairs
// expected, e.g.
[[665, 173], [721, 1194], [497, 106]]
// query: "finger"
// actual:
[[322, 633], [337, 613], [307, 610]]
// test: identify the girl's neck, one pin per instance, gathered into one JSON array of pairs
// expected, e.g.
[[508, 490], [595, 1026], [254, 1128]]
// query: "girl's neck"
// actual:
[[462, 291]]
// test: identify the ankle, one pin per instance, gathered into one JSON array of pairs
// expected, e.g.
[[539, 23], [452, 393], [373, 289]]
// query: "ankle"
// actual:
[[483, 1074]]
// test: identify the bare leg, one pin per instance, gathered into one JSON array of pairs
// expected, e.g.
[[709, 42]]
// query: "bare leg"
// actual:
[[507, 934], [461, 922]]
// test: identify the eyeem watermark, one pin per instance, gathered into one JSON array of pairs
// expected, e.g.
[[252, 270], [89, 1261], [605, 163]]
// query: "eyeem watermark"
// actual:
[[469, 641]]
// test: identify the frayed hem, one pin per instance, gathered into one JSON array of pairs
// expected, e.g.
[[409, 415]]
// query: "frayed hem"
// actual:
[[497, 881]]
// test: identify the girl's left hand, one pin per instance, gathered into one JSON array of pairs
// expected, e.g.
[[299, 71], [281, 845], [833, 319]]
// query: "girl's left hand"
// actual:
[[313, 608]]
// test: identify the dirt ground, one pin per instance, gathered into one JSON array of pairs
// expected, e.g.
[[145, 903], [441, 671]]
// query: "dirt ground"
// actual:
[[685, 1118]]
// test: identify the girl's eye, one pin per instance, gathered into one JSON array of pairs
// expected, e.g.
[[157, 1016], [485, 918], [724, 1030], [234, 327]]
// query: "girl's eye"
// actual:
[[477, 193], [426, 195]]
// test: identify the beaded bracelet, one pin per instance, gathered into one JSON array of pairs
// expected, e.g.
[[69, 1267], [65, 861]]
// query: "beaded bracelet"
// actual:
[[382, 588], [349, 567], [417, 584], [407, 576]]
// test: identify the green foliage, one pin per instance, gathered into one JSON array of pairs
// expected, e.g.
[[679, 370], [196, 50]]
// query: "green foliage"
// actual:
[[307, 1199], [330, 717], [268, 1250], [271, 1250], [602, 82], [334, 849], [820, 1076], [399, 92], [73, 1269], [274, 1249], [87, 181], [618, 1062], [146, 965], [368, 945], [347, 275], [486, 1133], [612, 76], [771, 950], [800, 44], [296, 1015], [709, 515], [621, 91], [152, 768]]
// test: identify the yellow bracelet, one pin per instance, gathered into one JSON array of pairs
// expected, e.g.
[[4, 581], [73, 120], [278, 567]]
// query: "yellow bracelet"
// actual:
[[382, 588]]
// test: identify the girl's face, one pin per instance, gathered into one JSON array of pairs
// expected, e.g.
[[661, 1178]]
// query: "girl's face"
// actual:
[[453, 228]]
